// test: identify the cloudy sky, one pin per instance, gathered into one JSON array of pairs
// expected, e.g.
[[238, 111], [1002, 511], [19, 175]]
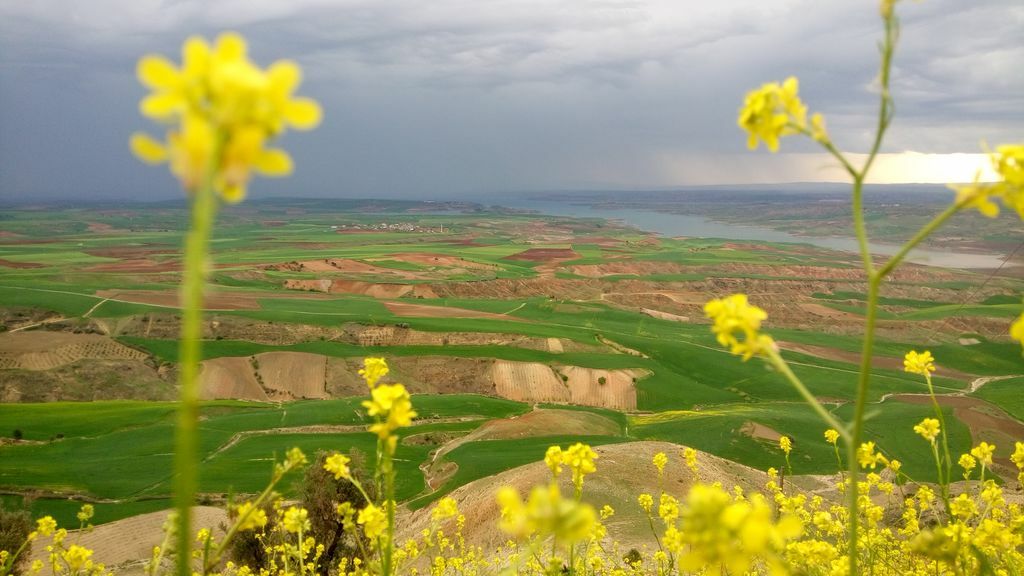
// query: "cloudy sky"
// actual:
[[467, 97]]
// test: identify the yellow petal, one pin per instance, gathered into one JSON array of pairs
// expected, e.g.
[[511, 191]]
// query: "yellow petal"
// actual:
[[284, 76], [274, 162], [303, 113], [233, 194], [195, 54], [157, 72], [160, 106], [230, 47], [147, 148]]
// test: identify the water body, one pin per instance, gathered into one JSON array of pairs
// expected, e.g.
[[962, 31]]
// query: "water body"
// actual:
[[700, 227]]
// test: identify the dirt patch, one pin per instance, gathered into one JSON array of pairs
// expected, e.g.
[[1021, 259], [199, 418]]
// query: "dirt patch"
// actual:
[[230, 378], [623, 471], [536, 382], [11, 264], [170, 299], [544, 254], [371, 289], [424, 311], [270, 376], [555, 346], [131, 540], [440, 260], [43, 350], [100, 228], [291, 375], [760, 432], [88, 380], [664, 315], [340, 265]]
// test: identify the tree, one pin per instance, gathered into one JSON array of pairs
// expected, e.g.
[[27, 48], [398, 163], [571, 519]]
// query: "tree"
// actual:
[[321, 493], [15, 526]]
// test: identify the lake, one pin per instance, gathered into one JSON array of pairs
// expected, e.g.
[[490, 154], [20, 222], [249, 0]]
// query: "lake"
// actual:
[[700, 227]]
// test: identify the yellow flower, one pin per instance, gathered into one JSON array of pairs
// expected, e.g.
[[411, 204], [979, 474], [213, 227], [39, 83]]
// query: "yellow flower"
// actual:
[[374, 521], [546, 513], [373, 370], [668, 508], [553, 459], [1008, 163], [1018, 455], [734, 314], [580, 458], [46, 525], [391, 404], [337, 464], [967, 462], [963, 507], [77, 558], [607, 512], [660, 459], [867, 457], [773, 111], [928, 429], [295, 520], [727, 533], [250, 517], [226, 109], [831, 436], [295, 457], [646, 502], [446, 508], [1017, 329], [85, 513], [983, 452], [919, 363], [786, 444], [690, 457]]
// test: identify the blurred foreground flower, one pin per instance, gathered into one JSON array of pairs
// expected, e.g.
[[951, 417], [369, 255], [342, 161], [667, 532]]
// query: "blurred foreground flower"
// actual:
[[222, 110]]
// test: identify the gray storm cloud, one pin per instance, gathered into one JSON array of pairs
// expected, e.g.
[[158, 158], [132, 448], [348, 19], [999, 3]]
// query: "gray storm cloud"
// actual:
[[454, 97]]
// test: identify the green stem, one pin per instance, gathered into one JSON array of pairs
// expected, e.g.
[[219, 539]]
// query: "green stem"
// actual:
[[943, 478], [920, 236], [864, 381], [389, 503], [186, 477], [779, 364]]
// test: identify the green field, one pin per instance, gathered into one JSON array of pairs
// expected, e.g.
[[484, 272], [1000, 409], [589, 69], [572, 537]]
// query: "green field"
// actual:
[[315, 276]]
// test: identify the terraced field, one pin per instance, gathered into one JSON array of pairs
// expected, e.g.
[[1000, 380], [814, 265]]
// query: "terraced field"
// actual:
[[515, 332]]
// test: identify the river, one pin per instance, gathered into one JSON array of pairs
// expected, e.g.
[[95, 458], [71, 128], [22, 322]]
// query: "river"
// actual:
[[699, 227]]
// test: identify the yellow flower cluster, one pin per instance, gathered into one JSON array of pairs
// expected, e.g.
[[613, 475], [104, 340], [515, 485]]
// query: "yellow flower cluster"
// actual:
[[389, 404], [919, 363], [579, 458], [222, 111], [721, 534], [928, 429], [1008, 163], [775, 110], [250, 517], [786, 444], [373, 370], [545, 513], [337, 464], [732, 315]]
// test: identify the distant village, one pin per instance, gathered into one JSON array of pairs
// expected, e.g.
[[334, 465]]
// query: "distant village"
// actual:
[[388, 227]]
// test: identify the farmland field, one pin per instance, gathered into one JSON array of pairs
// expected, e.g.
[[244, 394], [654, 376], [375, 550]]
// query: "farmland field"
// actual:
[[514, 331]]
